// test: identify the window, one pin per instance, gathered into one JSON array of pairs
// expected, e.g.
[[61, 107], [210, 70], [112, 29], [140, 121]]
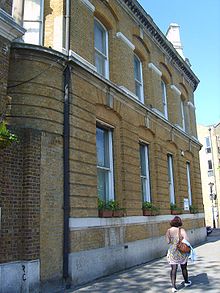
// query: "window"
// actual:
[[101, 49], [145, 173], [29, 13], [104, 164], [171, 178], [183, 114], [164, 98], [207, 145], [138, 78], [210, 168], [189, 182]]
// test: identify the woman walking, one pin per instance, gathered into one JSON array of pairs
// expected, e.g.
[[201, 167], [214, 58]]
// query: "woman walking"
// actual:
[[174, 256]]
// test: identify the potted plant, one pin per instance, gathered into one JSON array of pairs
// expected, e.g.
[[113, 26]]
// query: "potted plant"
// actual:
[[6, 137], [175, 210], [105, 210], [116, 209], [193, 209], [149, 209]]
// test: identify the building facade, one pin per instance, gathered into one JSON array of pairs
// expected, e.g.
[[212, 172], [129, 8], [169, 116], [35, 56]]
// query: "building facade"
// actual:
[[209, 136], [103, 106]]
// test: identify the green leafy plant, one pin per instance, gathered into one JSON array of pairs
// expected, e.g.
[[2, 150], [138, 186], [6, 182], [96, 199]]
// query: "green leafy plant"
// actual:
[[6, 137], [146, 205], [175, 209], [149, 209], [193, 209]]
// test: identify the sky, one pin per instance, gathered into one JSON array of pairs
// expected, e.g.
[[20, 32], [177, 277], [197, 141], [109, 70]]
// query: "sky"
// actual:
[[199, 22]]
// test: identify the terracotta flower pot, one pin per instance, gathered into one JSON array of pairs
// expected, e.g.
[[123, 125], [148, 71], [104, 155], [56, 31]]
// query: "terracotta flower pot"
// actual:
[[176, 212], [150, 213], [118, 213], [105, 213]]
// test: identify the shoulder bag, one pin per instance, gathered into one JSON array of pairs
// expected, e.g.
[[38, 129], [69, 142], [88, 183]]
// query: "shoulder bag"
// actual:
[[182, 247]]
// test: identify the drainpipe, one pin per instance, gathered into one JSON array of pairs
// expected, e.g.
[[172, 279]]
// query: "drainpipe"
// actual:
[[66, 138], [66, 204]]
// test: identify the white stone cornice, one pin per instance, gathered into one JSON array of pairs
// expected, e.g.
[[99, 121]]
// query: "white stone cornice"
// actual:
[[74, 56], [191, 105], [126, 40], [9, 29], [89, 5], [154, 68], [175, 89]]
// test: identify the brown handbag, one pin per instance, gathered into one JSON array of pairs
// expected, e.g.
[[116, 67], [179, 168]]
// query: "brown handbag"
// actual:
[[182, 247]]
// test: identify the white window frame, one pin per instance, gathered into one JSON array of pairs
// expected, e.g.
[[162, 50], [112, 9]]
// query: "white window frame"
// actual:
[[106, 57], [208, 148], [189, 182], [164, 98], [21, 11], [146, 196], [137, 81], [182, 108], [171, 178], [210, 170], [109, 169]]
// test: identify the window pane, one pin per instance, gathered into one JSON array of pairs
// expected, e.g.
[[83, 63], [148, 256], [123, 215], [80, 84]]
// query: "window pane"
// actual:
[[100, 63], [100, 38], [100, 142], [138, 90], [103, 184], [209, 164], [32, 9], [143, 189], [137, 69], [32, 34], [143, 160], [207, 142]]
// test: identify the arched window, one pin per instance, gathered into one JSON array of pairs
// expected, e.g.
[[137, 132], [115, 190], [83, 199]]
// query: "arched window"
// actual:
[[183, 115], [29, 13], [138, 78], [101, 49], [164, 98]]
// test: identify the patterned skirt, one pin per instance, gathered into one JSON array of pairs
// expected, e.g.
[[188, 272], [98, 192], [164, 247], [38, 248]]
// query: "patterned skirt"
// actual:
[[174, 256]]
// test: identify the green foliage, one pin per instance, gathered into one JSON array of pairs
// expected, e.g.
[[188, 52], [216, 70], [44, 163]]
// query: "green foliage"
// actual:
[[146, 205], [174, 207], [193, 209], [111, 205], [6, 137]]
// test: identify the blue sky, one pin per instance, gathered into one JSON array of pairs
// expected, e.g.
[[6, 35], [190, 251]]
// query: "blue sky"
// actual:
[[199, 22]]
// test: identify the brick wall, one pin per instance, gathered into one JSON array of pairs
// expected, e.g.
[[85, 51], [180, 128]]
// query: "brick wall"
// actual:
[[19, 198], [6, 5]]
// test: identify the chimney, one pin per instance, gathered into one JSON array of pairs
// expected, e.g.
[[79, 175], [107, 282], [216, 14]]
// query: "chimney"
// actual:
[[173, 35]]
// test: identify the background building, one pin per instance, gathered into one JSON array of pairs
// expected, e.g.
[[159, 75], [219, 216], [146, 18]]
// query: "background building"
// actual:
[[103, 106], [209, 136]]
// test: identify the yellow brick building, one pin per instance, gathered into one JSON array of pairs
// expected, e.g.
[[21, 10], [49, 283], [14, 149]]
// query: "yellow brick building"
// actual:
[[103, 106]]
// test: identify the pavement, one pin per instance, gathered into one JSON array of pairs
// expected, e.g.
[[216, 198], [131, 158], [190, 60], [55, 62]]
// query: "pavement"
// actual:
[[154, 276]]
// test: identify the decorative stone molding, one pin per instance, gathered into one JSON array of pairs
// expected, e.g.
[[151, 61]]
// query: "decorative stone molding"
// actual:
[[9, 29], [158, 37], [175, 89], [73, 55], [89, 5], [154, 68], [126, 40], [190, 104]]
